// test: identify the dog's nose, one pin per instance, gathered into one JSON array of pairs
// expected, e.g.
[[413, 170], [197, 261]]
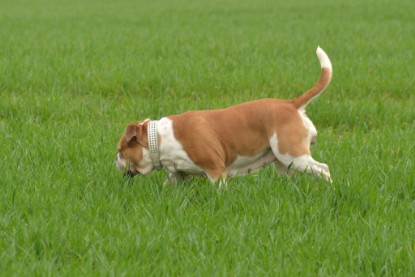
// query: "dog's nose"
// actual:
[[129, 174]]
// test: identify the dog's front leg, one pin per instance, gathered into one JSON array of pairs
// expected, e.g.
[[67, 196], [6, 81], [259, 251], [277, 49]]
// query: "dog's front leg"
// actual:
[[217, 177]]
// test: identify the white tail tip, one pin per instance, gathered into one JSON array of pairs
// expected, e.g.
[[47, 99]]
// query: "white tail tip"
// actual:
[[323, 58]]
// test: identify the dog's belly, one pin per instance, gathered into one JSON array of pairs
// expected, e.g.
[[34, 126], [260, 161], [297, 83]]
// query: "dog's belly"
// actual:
[[243, 164]]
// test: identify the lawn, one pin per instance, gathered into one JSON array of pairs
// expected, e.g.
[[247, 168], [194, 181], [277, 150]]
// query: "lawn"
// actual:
[[74, 73]]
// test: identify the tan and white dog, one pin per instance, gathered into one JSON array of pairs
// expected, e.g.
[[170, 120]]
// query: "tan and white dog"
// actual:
[[228, 142]]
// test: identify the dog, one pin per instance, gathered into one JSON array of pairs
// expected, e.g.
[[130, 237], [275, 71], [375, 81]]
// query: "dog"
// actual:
[[228, 142]]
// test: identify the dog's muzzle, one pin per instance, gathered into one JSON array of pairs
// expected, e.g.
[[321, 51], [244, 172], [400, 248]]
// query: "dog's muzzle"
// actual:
[[124, 167], [120, 164]]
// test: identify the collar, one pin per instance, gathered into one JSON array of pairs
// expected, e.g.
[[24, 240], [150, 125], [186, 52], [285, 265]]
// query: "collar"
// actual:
[[153, 143]]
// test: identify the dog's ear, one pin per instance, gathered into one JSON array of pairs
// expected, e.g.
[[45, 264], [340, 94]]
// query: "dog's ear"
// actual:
[[137, 133], [131, 133], [142, 133]]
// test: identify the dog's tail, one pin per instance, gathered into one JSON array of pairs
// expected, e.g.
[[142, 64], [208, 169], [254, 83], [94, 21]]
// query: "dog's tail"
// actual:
[[302, 101]]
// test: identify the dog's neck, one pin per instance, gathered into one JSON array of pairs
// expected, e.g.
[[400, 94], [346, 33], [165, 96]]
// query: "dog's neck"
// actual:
[[153, 144]]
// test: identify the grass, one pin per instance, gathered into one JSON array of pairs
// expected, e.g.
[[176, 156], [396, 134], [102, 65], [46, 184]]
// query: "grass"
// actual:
[[74, 73]]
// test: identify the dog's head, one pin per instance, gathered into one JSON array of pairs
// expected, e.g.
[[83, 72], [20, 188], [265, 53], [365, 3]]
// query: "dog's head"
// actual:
[[133, 155]]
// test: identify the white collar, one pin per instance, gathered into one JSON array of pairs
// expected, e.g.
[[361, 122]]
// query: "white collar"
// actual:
[[153, 143]]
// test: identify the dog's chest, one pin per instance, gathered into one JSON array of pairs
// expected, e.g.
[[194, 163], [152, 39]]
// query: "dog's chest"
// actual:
[[172, 154]]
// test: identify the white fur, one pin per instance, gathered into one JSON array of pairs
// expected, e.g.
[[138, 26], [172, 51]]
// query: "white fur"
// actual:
[[172, 154], [285, 159], [308, 124], [121, 164], [146, 164], [323, 58]]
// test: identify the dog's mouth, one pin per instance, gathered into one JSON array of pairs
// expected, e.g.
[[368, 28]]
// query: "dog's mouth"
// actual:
[[124, 167], [129, 173]]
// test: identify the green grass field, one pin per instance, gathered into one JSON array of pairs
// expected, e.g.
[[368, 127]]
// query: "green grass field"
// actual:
[[73, 74]]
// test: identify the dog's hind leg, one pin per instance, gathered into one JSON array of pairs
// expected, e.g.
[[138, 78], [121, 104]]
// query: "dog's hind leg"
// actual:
[[301, 163], [304, 163], [307, 164]]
